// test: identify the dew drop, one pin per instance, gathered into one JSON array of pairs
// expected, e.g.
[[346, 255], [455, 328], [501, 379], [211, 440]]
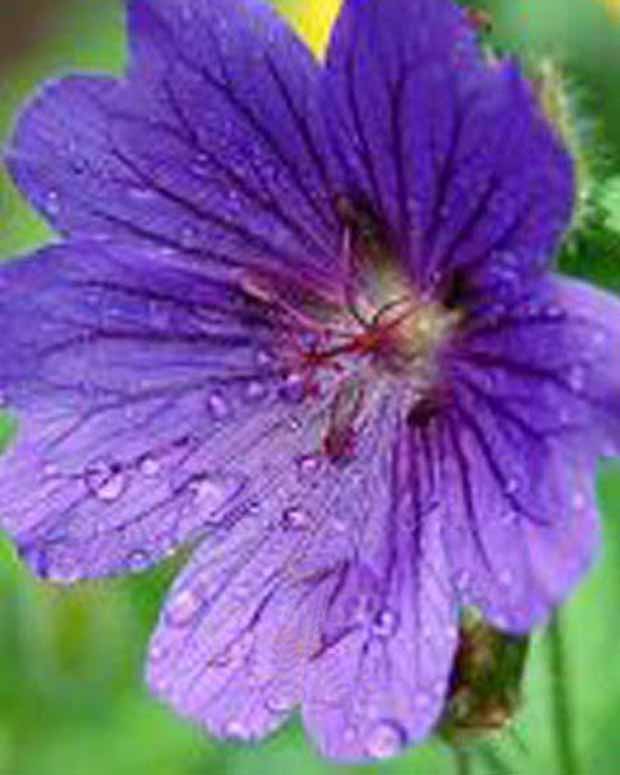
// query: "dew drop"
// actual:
[[294, 388], [576, 378], [512, 485], [505, 578], [579, 500], [308, 466], [235, 730], [139, 194], [187, 236], [385, 739], [50, 470], [295, 518], [52, 203], [138, 560], [554, 312], [149, 467], [218, 407], [183, 608], [157, 652], [255, 391], [280, 702], [106, 482], [385, 624], [213, 491]]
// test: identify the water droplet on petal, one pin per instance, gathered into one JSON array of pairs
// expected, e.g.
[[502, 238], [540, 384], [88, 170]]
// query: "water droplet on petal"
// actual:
[[579, 500], [157, 652], [386, 623], [280, 702], [138, 560], [235, 730], [50, 470], [385, 739], [140, 194], [599, 339], [294, 388], [188, 236], [295, 518], [106, 482], [183, 608], [505, 578], [512, 485], [255, 391], [149, 466], [52, 203], [577, 378], [213, 491], [308, 466], [218, 407]]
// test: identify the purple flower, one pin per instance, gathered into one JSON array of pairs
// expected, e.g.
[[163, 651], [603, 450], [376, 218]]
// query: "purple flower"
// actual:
[[307, 313]]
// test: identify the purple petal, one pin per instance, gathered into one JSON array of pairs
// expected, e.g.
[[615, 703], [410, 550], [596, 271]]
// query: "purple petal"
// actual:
[[140, 384], [534, 406], [207, 147], [325, 597], [450, 150], [388, 640]]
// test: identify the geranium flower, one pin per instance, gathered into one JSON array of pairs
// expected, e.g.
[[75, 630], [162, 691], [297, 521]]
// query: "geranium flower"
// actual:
[[305, 317]]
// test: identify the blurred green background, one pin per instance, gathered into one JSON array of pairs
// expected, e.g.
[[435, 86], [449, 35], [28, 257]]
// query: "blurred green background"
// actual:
[[71, 695]]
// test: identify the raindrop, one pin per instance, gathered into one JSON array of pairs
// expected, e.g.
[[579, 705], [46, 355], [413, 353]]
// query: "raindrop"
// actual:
[[188, 236], [50, 470], [106, 482], [140, 194], [236, 730], [295, 518], [218, 407], [52, 203], [576, 378], [554, 312], [280, 702], [512, 485], [294, 388], [386, 739], [157, 652], [213, 491], [579, 500], [138, 560], [505, 578], [255, 391], [149, 466], [599, 339], [183, 608], [385, 624], [308, 467]]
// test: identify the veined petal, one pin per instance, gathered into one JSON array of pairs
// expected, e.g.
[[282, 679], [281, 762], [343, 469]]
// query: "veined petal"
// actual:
[[534, 405], [208, 146], [451, 151], [146, 401], [329, 597]]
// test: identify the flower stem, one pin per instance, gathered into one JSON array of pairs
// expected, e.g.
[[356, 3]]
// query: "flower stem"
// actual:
[[562, 721], [462, 759]]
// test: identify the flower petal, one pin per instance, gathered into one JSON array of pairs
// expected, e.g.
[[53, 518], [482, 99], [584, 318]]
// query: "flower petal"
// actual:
[[534, 405], [450, 150], [388, 637], [321, 598], [207, 147], [146, 400]]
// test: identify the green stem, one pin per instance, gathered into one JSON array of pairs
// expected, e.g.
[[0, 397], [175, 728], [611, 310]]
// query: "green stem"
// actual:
[[562, 720], [463, 761]]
